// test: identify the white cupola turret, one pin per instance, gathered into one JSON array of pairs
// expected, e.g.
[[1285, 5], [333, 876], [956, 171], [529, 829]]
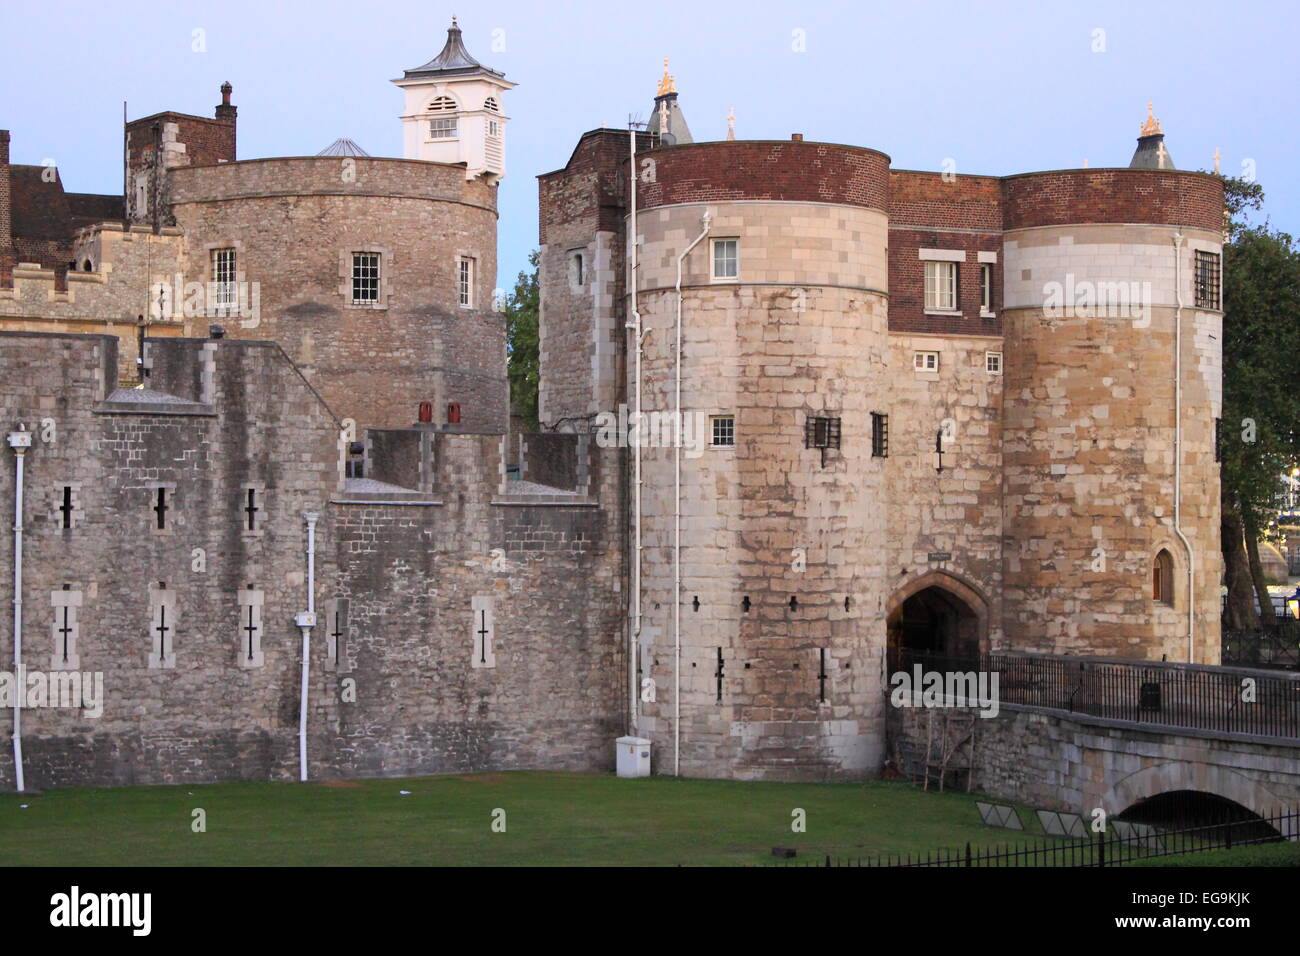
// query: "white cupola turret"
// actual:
[[454, 111]]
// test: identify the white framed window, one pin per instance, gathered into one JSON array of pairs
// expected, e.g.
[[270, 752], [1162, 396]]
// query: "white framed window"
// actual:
[[365, 277], [442, 128], [925, 361], [726, 258], [223, 278], [941, 286], [986, 288], [722, 430], [993, 363], [494, 128], [465, 282]]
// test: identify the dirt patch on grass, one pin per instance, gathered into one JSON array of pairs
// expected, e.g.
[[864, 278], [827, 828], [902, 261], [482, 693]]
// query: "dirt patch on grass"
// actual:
[[484, 778], [341, 784]]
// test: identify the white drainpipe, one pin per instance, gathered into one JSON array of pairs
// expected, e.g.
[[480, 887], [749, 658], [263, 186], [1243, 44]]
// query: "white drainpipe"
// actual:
[[305, 623], [1178, 448], [677, 515], [19, 441], [634, 643]]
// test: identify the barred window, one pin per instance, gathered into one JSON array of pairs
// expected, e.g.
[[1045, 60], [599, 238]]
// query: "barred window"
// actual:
[[365, 277], [1208, 269], [879, 435], [223, 278], [820, 432], [724, 430], [941, 286], [465, 282]]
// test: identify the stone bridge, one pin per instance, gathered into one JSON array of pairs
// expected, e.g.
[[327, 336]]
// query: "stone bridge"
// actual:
[[1062, 759]]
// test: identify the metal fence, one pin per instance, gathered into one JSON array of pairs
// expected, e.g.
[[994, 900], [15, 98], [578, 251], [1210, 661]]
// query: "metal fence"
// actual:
[[1103, 849], [1195, 697], [1277, 649]]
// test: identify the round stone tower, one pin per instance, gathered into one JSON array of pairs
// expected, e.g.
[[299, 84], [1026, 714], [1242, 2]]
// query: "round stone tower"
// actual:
[[1112, 327], [778, 613]]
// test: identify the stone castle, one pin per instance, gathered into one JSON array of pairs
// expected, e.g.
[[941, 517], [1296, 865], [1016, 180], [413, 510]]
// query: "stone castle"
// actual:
[[799, 411]]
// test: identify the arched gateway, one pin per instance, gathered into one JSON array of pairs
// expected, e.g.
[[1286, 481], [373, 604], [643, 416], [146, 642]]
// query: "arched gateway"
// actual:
[[937, 614]]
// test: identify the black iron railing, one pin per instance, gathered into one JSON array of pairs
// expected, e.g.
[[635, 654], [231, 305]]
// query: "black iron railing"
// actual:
[[1198, 697], [1101, 849]]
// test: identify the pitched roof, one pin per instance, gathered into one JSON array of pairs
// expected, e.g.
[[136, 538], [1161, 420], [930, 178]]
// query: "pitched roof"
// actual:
[[454, 59], [343, 147]]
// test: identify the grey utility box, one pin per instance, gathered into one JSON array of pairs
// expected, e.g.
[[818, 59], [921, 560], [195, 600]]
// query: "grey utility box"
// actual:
[[632, 756]]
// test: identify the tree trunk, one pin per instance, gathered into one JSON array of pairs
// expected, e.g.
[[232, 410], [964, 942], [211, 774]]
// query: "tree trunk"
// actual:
[[1239, 608], [1266, 615]]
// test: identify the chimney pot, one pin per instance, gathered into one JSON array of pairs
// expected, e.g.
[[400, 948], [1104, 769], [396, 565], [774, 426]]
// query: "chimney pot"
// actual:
[[796, 137]]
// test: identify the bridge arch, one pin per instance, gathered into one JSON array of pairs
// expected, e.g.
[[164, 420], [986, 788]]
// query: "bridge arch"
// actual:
[[1207, 778], [938, 612]]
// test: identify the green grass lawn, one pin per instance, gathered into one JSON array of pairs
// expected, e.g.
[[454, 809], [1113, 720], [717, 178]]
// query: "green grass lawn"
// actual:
[[551, 819]]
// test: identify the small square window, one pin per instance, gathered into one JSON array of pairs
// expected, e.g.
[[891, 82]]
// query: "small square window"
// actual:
[[993, 363], [941, 286], [465, 282], [365, 277], [925, 361], [723, 430], [726, 258]]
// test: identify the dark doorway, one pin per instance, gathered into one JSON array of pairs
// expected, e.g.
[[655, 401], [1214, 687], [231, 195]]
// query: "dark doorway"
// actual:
[[934, 622]]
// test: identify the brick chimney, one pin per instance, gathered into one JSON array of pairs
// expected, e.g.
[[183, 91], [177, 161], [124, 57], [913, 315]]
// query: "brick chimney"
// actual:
[[226, 113]]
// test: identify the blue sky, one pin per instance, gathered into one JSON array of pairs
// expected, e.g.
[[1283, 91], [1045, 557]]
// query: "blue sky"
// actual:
[[998, 87]]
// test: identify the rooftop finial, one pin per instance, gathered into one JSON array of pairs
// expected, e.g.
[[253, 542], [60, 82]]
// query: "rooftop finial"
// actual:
[[731, 122], [1217, 157], [667, 84], [1152, 125]]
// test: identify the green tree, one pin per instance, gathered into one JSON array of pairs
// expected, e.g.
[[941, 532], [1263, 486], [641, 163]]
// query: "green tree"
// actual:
[[1261, 401], [521, 309]]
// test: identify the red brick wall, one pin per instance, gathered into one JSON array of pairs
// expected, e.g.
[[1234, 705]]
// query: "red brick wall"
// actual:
[[1159, 197], [927, 202], [6, 243], [794, 171]]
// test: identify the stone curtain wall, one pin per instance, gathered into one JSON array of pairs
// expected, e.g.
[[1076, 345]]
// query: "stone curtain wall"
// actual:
[[404, 696], [207, 718]]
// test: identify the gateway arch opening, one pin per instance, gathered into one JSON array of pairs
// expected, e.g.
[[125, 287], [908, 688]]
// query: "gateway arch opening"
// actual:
[[934, 622]]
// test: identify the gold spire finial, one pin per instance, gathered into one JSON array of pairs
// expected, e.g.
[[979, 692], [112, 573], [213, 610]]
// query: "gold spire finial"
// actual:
[[667, 84], [731, 122], [1152, 125]]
